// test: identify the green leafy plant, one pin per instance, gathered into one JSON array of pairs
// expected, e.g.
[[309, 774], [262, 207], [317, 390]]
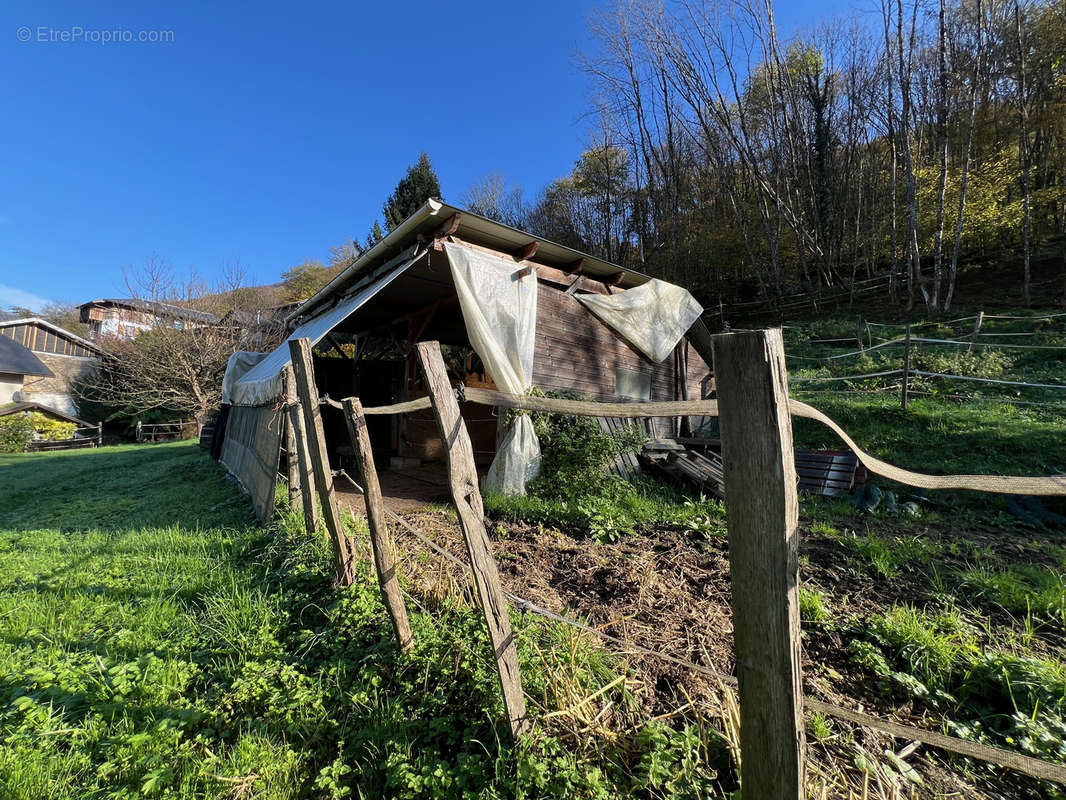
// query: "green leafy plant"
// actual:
[[16, 431], [52, 429]]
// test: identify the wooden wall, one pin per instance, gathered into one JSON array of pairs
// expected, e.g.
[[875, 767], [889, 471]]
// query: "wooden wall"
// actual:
[[577, 352], [42, 340]]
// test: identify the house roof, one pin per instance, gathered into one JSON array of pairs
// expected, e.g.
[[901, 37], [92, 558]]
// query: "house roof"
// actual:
[[7, 323], [19, 360], [472, 228], [15, 408], [154, 307]]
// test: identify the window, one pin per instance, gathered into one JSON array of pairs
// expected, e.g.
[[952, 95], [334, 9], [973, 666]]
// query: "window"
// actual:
[[631, 384]]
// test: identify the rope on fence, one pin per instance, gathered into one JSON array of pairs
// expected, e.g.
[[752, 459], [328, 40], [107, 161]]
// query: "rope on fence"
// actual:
[[1001, 484], [986, 344], [1047, 485]]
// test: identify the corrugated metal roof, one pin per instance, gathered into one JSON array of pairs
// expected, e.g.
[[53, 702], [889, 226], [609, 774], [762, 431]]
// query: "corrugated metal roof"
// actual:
[[18, 360], [472, 228]]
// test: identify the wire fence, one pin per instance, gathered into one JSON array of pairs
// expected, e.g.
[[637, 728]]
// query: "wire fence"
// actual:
[[919, 346]]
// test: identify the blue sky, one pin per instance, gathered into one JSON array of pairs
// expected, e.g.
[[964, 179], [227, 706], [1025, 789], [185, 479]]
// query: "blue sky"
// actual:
[[266, 133]]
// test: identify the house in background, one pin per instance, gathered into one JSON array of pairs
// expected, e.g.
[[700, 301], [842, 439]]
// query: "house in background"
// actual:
[[128, 317], [17, 365], [65, 357]]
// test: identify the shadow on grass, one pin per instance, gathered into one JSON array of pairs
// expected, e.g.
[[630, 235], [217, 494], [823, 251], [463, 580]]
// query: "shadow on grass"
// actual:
[[122, 488]]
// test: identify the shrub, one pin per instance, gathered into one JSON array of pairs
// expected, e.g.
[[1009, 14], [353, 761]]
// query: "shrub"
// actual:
[[576, 452], [52, 429], [982, 363], [16, 431]]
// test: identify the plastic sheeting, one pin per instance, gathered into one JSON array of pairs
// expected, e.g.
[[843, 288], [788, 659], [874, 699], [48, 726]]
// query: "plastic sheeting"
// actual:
[[652, 317], [236, 368], [500, 311], [263, 383]]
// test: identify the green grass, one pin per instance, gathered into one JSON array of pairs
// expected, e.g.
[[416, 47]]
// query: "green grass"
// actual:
[[156, 642], [610, 508], [987, 693], [983, 433], [887, 557]]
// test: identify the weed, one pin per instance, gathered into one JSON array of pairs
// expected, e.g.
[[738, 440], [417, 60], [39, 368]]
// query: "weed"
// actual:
[[819, 726], [814, 605], [886, 557]]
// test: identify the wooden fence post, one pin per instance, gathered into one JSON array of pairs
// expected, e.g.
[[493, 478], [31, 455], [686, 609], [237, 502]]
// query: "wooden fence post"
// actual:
[[303, 369], [291, 463], [139, 435], [976, 330], [380, 541], [462, 477], [762, 513], [100, 434], [306, 482], [906, 368]]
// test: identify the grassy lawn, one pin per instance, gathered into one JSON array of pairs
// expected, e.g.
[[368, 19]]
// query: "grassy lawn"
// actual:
[[155, 641]]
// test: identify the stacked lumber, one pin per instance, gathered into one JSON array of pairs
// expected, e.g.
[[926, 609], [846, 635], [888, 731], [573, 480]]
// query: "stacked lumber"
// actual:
[[42, 445], [703, 470]]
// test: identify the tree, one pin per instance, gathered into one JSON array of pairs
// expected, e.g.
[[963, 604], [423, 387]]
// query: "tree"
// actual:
[[177, 370], [492, 197], [414, 189], [303, 280], [66, 316]]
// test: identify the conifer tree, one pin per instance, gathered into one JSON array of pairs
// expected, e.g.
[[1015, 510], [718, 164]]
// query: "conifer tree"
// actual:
[[418, 185]]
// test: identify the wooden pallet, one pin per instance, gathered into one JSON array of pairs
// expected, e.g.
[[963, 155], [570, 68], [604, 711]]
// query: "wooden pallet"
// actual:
[[627, 465]]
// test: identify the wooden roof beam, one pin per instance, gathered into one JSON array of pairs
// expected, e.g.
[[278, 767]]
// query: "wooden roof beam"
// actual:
[[575, 267], [527, 251], [447, 228]]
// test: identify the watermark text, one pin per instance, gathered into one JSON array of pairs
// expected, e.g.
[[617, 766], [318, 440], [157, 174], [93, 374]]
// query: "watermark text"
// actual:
[[78, 34]]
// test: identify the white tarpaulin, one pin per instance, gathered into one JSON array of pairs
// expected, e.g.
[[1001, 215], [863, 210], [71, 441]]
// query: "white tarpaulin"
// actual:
[[500, 311], [263, 383], [236, 368], [652, 317]]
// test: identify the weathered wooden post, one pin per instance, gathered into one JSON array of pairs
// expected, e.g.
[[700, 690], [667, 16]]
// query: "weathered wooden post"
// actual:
[[380, 541], [291, 464], [462, 477], [303, 369], [139, 435], [303, 459], [762, 512], [100, 434], [976, 330], [906, 368]]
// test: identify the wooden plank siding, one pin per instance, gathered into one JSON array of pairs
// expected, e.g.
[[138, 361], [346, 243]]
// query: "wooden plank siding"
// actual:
[[577, 352], [41, 340], [574, 352]]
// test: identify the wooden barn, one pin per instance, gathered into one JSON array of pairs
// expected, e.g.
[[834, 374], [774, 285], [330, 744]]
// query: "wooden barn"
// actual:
[[67, 357], [511, 310]]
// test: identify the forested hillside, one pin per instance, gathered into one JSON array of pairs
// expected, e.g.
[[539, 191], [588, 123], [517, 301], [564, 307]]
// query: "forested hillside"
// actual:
[[907, 144]]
